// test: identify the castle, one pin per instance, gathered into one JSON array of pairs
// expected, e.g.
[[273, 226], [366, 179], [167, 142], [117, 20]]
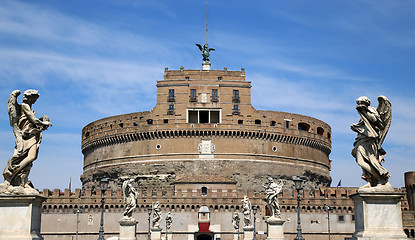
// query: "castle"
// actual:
[[204, 144]]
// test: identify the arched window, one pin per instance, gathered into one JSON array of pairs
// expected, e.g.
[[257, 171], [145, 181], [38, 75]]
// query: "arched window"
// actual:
[[258, 122], [303, 126], [320, 131], [273, 123], [204, 191]]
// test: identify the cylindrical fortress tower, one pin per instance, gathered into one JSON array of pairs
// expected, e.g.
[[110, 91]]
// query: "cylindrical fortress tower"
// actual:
[[204, 124]]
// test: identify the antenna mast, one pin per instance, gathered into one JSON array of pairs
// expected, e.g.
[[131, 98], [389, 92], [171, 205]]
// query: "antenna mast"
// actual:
[[206, 21]]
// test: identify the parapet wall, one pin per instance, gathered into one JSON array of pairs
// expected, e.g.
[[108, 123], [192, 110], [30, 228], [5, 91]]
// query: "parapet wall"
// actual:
[[192, 200]]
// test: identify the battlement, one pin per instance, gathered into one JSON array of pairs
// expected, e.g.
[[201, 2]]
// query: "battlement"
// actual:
[[190, 200], [221, 75]]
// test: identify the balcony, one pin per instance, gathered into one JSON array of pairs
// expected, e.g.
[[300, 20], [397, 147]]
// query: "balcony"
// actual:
[[214, 99], [171, 99], [170, 112], [235, 99], [193, 99], [236, 112]]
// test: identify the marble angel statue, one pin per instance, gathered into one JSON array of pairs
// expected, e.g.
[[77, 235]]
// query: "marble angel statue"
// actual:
[[371, 132], [130, 196], [272, 190], [246, 210], [27, 130], [156, 214]]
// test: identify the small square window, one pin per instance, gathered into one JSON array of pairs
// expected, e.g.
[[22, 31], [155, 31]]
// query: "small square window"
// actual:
[[187, 78], [166, 121], [341, 218], [240, 121]]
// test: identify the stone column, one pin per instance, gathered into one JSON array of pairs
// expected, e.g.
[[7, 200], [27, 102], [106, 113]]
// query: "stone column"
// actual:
[[378, 216], [248, 232], [275, 229], [155, 233], [20, 217], [127, 229]]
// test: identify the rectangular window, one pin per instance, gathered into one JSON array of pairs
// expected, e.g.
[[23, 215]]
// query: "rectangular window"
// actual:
[[235, 107], [214, 116], [287, 124], [187, 78], [193, 93], [166, 121], [341, 218], [236, 93], [240, 121], [171, 92], [171, 107], [219, 78], [215, 93], [193, 116], [203, 116]]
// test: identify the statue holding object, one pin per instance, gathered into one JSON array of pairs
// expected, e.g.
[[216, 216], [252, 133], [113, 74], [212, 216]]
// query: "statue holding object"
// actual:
[[371, 132], [27, 131], [130, 196], [272, 190], [246, 210]]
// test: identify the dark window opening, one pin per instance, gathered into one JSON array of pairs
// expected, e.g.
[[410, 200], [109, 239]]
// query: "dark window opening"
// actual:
[[121, 124], [303, 126], [149, 121], [204, 191], [171, 107], [287, 124], [87, 134], [320, 131], [187, 78], [273, 123], [214, 95], [329, 136], [135, 124], [214, 117], [258, 122], [341, 218], [193, 117], [166, 121], [240, 121], [219, 78], [204, 116]]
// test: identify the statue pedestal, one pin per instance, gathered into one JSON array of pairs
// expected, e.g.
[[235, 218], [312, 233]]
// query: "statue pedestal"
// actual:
[[155, 233], [248, 232], [20, 217], [275, 229], [236, 236], [378, 215], [206, 66], [127, 229]]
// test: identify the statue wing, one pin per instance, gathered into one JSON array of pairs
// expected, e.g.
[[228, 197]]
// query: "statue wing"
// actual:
[[385, 112], [211, 49], [124, 189], [14, 108], [200, 46]]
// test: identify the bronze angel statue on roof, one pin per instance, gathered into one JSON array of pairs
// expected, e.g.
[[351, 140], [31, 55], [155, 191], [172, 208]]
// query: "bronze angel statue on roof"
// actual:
[[205, 51], [27, 131], [371, 132]]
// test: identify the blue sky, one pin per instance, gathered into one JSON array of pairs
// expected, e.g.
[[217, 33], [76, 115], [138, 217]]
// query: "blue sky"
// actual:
[[93, 59]]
